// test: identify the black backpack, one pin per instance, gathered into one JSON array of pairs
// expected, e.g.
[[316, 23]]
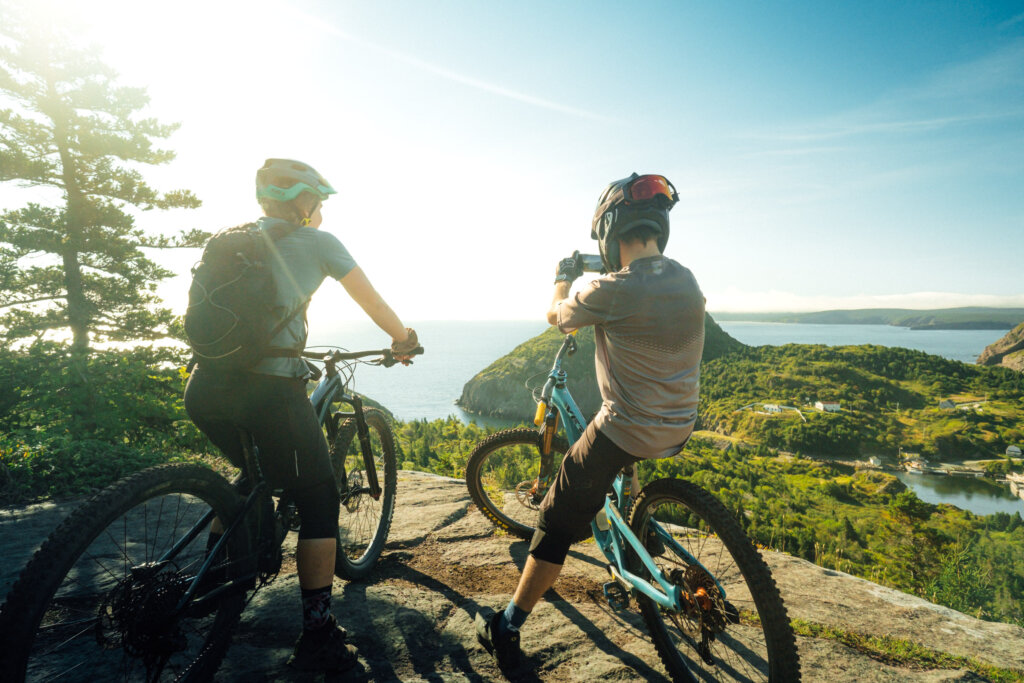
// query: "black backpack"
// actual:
[[230, 319]]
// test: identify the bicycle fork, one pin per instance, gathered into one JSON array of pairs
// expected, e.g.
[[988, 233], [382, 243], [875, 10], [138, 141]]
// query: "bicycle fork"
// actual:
[[364, 445]]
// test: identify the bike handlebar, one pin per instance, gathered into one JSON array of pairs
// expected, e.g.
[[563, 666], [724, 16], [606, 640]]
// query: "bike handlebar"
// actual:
[[387, 357]]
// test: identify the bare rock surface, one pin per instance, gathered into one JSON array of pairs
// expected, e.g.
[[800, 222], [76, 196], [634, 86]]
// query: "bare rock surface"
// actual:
[[412, 620], [1007, 351]]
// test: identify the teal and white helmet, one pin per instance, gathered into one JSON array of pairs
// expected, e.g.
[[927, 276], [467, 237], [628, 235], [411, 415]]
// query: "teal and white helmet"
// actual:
[[285, 179]]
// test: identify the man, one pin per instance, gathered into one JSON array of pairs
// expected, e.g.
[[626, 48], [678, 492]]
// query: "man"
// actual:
[[270, 401], [648, 316]]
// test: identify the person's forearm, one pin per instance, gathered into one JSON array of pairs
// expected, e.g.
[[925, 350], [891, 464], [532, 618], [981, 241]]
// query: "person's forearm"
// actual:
[[362, 292], [561, 294], [386, 319]]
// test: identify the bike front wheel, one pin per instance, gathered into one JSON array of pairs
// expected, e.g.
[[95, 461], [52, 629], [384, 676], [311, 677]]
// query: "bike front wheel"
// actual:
[[99, 600], [363, 520], [733, 624], [507, 478]]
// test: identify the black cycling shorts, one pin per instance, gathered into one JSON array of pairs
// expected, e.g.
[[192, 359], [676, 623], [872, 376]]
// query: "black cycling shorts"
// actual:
[[293, 451], [578, 492]]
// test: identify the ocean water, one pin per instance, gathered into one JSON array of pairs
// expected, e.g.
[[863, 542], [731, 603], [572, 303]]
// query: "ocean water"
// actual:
[[454, 351], [457, 350], [961, 345]]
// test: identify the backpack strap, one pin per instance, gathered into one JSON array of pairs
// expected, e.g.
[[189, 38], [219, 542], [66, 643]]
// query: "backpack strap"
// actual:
[[277, 351], [276, 232]]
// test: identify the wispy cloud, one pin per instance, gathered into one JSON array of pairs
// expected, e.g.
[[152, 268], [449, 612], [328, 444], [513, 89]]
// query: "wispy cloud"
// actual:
[[983, 90], [454, 76], [1011, 22]]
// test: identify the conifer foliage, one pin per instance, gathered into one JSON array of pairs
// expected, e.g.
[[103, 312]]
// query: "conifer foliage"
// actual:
[[74, 265]]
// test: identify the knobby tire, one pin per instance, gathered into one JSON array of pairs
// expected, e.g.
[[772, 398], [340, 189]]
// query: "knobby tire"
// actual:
[[498, 465], [363, 523], [762, 645], [65, 599]]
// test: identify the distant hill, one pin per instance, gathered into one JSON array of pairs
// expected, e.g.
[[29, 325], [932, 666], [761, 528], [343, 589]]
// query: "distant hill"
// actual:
[[500, 389], [967, 318], [890, 397]]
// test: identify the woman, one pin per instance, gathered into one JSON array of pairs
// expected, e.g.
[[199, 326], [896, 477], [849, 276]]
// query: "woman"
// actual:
[[270, 401]]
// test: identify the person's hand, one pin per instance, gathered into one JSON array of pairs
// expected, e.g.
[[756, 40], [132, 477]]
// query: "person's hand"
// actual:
[[568, 270], [400, 349]]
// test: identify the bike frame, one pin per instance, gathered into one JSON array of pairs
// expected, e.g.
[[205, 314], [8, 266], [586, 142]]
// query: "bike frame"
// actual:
[[557, 405], [327, 391]]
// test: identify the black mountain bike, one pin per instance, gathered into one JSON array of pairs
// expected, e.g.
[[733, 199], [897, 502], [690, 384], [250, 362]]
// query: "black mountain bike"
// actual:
[[124, 588]]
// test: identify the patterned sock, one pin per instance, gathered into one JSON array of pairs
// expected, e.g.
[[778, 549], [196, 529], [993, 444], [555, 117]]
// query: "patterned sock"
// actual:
[[316, 608], [513, 618]]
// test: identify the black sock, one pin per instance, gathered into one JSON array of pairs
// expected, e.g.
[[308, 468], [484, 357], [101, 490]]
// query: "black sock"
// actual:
[[316, 608]]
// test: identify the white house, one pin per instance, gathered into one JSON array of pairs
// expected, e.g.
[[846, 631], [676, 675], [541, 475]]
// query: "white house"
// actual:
[[946, 404], [1013, 451], [827, 406], [772, 408]]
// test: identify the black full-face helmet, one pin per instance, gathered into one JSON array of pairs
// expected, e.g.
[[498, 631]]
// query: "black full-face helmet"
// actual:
[[639, 200]]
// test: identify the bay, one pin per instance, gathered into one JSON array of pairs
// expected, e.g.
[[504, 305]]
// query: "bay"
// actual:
[[980, 496], [962, 345]]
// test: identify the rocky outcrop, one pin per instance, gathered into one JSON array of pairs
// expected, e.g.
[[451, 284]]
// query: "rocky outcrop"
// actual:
[[412, 619], [1008, 351], [500, 390]]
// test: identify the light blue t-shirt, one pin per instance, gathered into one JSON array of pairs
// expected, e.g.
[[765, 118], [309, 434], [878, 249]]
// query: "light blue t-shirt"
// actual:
[[302, 261]]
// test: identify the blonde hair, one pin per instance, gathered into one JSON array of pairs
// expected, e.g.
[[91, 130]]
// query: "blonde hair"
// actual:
[[293, 211]]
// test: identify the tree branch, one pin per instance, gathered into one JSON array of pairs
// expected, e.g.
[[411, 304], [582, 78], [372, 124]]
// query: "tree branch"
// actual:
[[32, 301]]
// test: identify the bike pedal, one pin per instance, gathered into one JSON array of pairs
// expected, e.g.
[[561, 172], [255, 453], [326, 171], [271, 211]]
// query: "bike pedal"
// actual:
[[616, 595]]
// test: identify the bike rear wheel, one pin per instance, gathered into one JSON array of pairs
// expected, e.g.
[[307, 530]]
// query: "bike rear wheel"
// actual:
[[363, 521], [745, 634], [502, 476], [93, 604]]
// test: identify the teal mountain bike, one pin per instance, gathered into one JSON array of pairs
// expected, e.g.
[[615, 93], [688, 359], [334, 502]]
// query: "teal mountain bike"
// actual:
[[125, 588], [706, 595]]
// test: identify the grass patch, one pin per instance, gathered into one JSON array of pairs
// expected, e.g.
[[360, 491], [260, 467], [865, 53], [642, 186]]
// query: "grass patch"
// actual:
[[905, 653]]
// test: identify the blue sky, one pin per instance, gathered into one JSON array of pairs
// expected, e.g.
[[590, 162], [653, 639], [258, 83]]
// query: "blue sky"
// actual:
[[827, 154]]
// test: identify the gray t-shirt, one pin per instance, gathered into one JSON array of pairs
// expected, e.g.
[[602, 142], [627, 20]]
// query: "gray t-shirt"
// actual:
[[649, 328], [302, 262]]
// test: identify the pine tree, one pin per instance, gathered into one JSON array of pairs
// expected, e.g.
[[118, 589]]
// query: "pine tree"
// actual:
[[76, 265]]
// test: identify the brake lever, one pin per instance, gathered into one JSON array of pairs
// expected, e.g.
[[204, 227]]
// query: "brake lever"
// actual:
[[315, 373]]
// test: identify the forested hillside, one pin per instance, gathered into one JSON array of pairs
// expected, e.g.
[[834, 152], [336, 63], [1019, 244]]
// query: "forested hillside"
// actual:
[[889, 397], [500, 390]]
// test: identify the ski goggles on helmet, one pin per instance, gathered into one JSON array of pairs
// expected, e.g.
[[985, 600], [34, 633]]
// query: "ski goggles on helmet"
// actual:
[[648, 188], [638, 189]]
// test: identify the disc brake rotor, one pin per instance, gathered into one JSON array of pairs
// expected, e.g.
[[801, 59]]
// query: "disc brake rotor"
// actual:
[[705, 597], [527, 496]]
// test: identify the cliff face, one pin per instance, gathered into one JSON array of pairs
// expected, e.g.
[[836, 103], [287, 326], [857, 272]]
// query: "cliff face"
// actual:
[[1008, 351], [500, 389]]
